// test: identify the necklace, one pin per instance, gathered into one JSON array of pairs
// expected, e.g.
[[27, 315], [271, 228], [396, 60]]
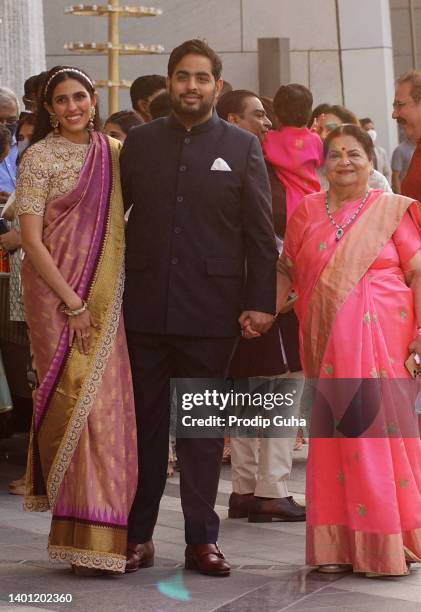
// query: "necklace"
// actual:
[[340, 228]]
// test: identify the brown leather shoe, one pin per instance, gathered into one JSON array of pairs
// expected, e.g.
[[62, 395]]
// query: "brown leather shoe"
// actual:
[[207, 559], [139, 556], [264, 509], [238, 505]]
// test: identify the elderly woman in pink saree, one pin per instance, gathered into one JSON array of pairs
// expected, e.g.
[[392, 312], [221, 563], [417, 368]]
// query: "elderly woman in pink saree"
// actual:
[[82, 461], [354, 258]]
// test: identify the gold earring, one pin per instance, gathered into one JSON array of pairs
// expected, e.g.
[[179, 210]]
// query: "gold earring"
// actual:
[[91, 125], [54, 122]]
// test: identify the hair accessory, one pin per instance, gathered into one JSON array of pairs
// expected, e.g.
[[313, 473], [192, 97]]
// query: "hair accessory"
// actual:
[[61, 71], [54, 122]]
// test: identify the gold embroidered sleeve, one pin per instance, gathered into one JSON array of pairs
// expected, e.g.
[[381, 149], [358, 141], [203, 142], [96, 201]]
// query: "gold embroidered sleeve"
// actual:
[[32, 184]]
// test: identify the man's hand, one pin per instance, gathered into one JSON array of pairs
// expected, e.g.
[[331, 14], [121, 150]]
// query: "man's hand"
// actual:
[[254, 321], [4, 196], [11, 240]]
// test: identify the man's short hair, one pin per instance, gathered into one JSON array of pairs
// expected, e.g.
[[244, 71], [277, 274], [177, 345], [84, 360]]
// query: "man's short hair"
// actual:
[[414, 78], [233, 102], [160, 106], [365, 120], [30, 87], [125, 119], [195, 47], [7, 96], [145, 86]]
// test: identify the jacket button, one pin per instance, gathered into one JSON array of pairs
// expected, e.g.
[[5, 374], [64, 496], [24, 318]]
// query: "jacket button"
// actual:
[[177, 230], [183, 168], [174, 261], [187, 141], [180, 199]]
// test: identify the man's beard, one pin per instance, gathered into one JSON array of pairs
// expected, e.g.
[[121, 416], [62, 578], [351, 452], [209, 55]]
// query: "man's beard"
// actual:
[[190, 113]]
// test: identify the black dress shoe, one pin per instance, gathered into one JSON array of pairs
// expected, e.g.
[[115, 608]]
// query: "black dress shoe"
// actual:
[[265, 509], [139, 556], [238, 505], [207, 559]]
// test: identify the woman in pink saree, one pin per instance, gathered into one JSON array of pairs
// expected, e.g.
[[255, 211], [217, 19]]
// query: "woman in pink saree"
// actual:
[[82, 461], [354, 258]]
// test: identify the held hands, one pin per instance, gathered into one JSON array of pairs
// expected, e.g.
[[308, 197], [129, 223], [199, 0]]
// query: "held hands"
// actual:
[[80, 328], [254, 323]]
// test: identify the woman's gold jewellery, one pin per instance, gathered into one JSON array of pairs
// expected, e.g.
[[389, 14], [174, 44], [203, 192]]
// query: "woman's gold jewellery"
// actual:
[[91, 125], [53, 121], [340, 228], [74, 313]]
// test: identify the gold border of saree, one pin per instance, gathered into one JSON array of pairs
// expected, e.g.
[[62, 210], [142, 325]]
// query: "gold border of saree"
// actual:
[[354, 253], [102, 547]]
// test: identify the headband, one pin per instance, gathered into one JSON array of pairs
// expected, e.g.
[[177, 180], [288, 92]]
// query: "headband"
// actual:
[[62, 70]]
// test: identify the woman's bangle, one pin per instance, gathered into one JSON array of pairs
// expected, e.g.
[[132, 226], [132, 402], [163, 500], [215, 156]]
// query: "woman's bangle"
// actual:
[[418, 333], [74, 312]]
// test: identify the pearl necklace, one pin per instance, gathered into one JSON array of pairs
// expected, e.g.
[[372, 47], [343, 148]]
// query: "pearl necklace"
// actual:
[[340, 228]]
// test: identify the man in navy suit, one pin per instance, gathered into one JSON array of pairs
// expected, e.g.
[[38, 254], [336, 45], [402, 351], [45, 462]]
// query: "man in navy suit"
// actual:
[[200, 265]]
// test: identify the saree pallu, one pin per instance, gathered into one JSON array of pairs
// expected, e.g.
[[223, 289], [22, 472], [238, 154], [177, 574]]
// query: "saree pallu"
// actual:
[[356, 317], [82, 461]]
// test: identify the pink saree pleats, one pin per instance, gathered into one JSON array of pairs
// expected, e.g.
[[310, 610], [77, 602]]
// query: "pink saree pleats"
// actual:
[[357, 319]]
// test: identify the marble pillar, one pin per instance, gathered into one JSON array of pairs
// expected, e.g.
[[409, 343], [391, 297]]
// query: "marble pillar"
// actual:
[[22, 42]]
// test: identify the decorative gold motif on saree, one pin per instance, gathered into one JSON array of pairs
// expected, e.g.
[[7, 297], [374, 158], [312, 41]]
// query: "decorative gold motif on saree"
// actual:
[[322, 246], [341, 477], [403, 483], [403, 315], [328, 368], [366, 318], [362, 510]]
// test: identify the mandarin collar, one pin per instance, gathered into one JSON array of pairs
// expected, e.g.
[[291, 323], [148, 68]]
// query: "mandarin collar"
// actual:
[[196, 129]]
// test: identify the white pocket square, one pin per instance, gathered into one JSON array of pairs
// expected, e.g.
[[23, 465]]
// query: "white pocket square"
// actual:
[[220, 164]]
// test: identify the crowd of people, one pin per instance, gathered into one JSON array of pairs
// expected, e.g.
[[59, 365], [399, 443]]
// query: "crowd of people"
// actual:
[[210, 233]]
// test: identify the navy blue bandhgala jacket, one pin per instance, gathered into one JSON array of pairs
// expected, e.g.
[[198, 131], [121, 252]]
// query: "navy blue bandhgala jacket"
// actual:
[[200, 242]]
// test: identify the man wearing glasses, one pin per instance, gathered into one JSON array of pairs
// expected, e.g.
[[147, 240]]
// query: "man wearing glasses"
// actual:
[[9, 111], [407, 112]]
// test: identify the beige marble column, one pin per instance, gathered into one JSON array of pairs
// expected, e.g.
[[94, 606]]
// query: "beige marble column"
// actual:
[[22, 43]]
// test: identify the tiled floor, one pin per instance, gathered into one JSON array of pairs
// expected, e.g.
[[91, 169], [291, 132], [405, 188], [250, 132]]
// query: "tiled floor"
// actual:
[[268, 559]]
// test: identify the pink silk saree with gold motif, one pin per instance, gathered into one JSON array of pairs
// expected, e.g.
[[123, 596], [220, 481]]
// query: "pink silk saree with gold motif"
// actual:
[[357, 319], [82, 461]]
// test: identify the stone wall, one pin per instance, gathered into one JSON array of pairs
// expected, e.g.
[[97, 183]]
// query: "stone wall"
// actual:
[[361, 75]]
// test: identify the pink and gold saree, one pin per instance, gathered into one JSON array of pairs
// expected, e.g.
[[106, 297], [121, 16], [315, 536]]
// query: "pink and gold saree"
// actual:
[[82, 461], [356, 316]]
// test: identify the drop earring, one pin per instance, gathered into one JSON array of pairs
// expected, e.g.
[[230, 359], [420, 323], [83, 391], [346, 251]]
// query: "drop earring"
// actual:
[[91, 125], [54, 122]]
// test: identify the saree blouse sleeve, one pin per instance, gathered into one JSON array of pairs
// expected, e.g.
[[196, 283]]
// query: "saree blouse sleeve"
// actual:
[[407, 239], [32, 185]]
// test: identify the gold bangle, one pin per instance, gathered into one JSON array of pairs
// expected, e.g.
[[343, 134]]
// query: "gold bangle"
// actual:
[[75, 312]]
